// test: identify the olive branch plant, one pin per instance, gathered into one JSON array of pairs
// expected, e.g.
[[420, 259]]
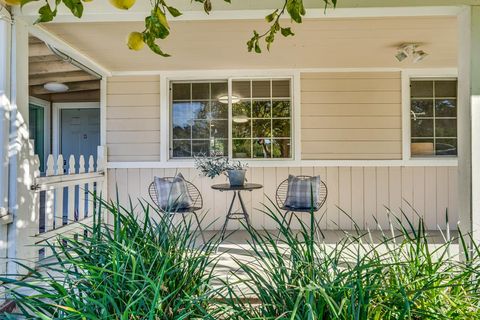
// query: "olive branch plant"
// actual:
[[157, 26]]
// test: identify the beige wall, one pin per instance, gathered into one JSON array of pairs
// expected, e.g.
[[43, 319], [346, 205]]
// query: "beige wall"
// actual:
[[133, 118], [343, 116], [363, 192], [351, 115]]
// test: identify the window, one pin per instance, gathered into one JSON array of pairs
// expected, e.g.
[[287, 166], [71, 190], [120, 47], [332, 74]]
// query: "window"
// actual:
[[433, 117], [260, 124], [261, 119], [199, 119]]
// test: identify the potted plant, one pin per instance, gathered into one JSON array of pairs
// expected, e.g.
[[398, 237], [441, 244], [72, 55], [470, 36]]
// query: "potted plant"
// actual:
[[214, 166]]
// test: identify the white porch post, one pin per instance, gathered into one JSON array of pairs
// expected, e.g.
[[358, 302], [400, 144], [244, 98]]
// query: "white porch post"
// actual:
[[21, 160], [5, 217], [469, 120]]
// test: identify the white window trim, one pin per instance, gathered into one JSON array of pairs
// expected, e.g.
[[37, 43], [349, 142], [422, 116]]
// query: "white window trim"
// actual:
[[407, 75], [167, 77]]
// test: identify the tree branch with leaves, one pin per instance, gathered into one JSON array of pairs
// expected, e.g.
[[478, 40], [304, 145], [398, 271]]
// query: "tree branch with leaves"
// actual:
[[157, 23]]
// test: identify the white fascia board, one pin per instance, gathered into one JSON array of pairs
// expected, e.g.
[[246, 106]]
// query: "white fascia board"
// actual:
[[104, 12], [47, 37]]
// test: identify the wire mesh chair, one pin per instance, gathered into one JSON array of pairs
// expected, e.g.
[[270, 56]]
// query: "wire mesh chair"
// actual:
[[195, 195], [281, 197]]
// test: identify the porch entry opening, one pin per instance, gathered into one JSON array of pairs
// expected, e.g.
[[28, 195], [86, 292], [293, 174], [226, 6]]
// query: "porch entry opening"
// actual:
[[36, 120], [79, 135]]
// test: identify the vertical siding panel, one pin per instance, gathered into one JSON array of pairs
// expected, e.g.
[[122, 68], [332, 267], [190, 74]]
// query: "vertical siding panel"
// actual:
[[111, 184], [191, 174], [296, 171], [172, 172], [442, 196], [257, 199], [395, 190], [157, 172], [407, 194], [146, 178], [345, 198], [133, 185], [270, 186], [370, 192], [358, 207], [332, 200], [431, 198], [322, 213], [452, 197], [219, 206], [383, 200], [282, 174], [418, 193], [121, 177], [247, 197], [308, 171], [208, 212]]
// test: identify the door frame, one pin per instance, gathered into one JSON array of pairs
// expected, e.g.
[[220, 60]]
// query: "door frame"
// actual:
[[57, 118], [46, 105]]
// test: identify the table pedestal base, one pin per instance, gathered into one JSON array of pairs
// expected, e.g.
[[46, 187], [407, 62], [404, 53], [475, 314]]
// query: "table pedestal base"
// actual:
[[235, 215]]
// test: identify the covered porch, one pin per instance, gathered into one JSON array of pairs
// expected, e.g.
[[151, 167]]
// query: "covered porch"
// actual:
[[350, 114], [380, 102]]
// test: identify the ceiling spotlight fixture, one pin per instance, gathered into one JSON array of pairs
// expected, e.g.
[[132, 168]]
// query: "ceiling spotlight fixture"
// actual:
[[224, 99], [55, 87], [419, 55], [401, 55], [406, 50]]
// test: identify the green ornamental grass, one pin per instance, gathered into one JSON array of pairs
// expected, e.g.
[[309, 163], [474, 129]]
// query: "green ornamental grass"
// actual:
[[139, 268], [400, 276], [150, 268]]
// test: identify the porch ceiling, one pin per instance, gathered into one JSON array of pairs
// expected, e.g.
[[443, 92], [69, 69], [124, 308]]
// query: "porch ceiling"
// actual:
[[319, 43]]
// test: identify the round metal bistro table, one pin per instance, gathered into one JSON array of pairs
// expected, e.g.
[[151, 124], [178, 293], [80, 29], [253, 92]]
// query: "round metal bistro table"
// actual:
[[236, 194]]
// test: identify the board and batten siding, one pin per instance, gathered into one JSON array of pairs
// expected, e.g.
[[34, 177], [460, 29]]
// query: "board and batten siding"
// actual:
[[133, 118], [351, 115], [344, 115], [363, 192]]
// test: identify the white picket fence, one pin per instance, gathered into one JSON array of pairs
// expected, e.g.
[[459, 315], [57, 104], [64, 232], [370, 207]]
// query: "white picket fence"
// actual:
[[64, 196]]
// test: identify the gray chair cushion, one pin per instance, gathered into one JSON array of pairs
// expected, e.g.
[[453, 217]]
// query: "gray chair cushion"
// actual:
[[300, 192], [172, 194]]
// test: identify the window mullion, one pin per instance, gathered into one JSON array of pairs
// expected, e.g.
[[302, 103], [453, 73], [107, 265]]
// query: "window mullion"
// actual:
[[230, 115], [193, 122], [434, 120]]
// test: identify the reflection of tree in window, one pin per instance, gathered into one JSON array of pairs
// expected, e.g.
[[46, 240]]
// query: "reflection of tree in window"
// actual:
[[262, 119], [199, 119]]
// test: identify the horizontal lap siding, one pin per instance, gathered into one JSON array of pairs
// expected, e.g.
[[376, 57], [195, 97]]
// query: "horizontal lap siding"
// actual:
[[355, 116], [133, 118], [365, 193]]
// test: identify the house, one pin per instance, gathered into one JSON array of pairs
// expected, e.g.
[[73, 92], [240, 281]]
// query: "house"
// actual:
[[381, 102]]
